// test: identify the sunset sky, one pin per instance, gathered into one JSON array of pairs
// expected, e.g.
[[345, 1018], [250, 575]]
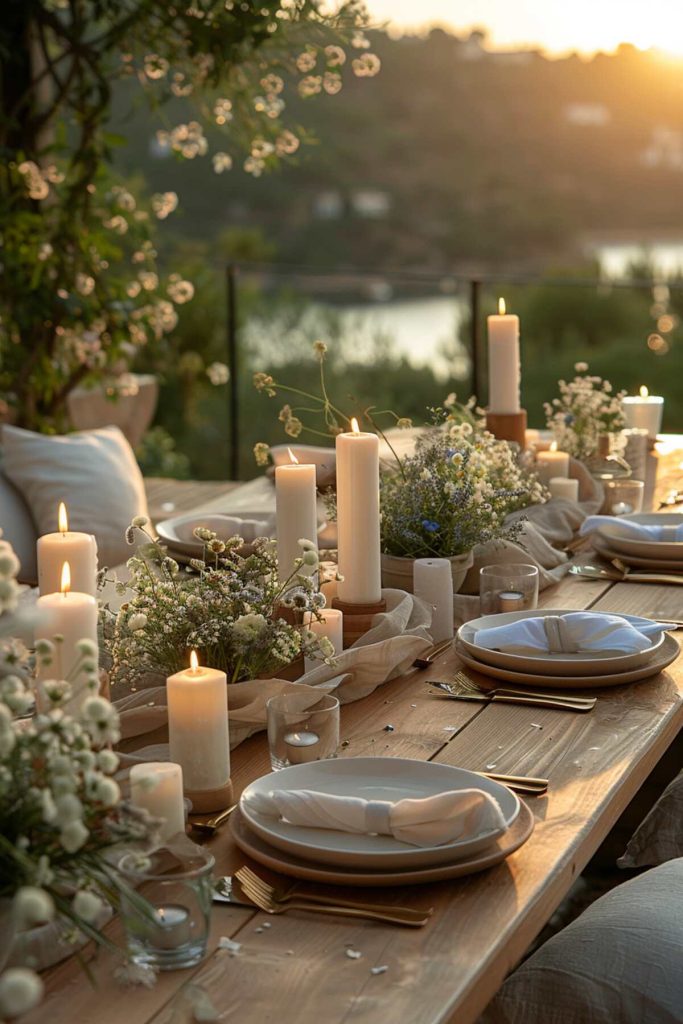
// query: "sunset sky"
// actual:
[[556, 25]]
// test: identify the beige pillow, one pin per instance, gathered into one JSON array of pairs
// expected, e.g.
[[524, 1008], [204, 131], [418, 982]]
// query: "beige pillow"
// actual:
[[619, 963], [93, 471], [19, 529], [659, 837]]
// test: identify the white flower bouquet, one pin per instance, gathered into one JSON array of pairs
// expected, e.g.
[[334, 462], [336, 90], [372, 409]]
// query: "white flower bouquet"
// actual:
[[587, 408]]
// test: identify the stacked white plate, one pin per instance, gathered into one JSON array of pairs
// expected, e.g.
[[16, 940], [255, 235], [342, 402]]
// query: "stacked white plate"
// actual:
[[561, 671], [611, 540], [178, 533], [344, 858]]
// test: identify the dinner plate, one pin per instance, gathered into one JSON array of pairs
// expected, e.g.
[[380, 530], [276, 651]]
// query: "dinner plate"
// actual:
[[178, 532], [373, 778], [587, 663], [614, 536], [667, 653], [636, 561], [297, 867]]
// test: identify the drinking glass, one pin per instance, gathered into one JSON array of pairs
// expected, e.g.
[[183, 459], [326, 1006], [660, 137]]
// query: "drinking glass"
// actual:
[[622, 497], [508, 588], [302, 727], [166, 905]]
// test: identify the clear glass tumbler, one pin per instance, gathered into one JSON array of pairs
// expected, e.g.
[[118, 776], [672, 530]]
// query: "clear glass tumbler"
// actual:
[[166, 905], [302, 727], [622, 497], [508, 588]]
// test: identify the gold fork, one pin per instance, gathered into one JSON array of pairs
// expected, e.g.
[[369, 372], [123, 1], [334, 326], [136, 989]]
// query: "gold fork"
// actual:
[[277, 901], [464, 688], [209, 826]]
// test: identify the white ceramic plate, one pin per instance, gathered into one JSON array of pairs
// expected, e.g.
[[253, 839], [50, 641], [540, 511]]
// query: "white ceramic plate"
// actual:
[[297, 867], [617, 539], [668, 653], [178, 532], [374, 778], [667, 565], [589, 663]]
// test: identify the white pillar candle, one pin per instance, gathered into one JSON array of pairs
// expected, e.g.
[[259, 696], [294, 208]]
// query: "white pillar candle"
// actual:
[[358, 517], [433, 582], [157, 786], [504, 361], [564, 487], [198, 725], [552, 464], [644, 411], [531, 437], [72, 617], [330, 625], [297, 514], [78, 549]]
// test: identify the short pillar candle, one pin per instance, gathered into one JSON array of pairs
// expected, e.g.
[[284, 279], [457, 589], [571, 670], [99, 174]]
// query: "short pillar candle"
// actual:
[[78, 549], [157, 786], [552, 463], [296, 513], [72, 617]]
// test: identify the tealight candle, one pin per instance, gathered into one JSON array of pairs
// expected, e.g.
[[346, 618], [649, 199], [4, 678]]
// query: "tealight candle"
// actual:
[[157, 786], [331, 625], [171, 927], [564, 487], [302, 747], [72, 617], [78, 549], [297, 514], [358, 517], [644, 411], [552, 463], [511, 601], [198, 726], [504, 361]]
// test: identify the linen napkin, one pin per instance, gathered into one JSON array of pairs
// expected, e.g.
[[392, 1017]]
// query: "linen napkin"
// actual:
[[429, 821], [570, 634], [634, 531]]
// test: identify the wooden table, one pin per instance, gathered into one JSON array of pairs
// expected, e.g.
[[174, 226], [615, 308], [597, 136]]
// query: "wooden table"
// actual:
[[297, 972]]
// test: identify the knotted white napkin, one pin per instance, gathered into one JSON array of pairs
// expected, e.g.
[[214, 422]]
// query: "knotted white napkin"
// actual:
[[570, 634], [429, 821], [636, 531]]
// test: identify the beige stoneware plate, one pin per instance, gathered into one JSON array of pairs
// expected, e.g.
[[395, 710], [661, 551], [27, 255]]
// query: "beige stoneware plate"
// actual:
[[668, 653], [614, 537], [296, 867], [666, 565], [543, 663], [373, 778]]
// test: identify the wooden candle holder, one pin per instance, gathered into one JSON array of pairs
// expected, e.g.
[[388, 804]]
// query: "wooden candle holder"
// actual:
[[207, 801], [508, 426], [357, 618]]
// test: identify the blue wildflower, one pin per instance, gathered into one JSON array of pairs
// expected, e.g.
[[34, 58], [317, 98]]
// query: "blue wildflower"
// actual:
[[430, 526]]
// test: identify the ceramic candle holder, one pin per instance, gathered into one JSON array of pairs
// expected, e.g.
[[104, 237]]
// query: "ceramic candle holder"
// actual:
[[357, 618]]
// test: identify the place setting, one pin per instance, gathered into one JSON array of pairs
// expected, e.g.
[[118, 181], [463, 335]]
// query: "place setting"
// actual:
[[642, 541]]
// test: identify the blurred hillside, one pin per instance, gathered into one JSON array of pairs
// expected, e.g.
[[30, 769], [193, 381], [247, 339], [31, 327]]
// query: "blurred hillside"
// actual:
[[452, 157]]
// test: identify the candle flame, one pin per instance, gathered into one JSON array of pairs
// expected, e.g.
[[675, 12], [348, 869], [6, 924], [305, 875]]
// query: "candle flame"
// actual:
[[66, 578], [501, 306], [292, 457], [62, 518], [553, 446], [644, 392], [194, 661], [354, 426]]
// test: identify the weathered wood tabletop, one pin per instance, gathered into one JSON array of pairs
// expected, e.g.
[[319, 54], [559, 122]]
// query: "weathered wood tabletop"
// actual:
[[297, 971]]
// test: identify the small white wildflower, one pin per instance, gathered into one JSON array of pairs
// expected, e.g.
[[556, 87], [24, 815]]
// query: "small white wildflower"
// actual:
[[20, 991], [32, 906], [87, 905]]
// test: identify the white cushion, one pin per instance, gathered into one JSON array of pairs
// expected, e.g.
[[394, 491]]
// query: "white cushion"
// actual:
[[659, 837], [19, 529], [619, 963], [93, 471]]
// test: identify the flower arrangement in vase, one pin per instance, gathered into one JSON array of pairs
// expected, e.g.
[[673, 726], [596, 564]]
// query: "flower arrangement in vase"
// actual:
[[586, 415], [228, 607]]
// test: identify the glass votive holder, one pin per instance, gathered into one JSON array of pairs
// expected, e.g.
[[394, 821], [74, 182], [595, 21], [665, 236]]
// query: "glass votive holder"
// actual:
[[622, 497], [166, 905], [302, 728], [511, 587]]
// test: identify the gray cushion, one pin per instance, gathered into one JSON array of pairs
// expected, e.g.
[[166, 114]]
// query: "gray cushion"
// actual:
[[660, 836], [19, 529], [621, 962]]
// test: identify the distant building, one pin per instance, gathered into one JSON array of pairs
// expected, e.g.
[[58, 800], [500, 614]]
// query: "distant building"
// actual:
[[665, 150], [588, 115], [371, 203]]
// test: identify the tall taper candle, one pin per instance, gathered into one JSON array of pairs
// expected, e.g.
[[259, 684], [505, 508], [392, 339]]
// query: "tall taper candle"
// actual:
[[78, 549], [504, 363], [297, 515], [73, 617], [198, 725], [358, 517]]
